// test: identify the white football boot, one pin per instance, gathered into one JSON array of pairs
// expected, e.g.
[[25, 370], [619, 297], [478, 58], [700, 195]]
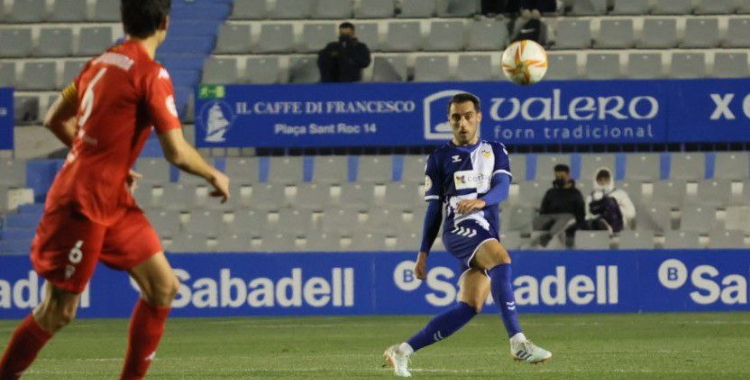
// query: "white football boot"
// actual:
[[529, 352], [398, 360]]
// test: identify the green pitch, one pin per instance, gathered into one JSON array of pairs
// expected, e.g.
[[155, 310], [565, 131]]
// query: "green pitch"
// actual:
[[705, 346]]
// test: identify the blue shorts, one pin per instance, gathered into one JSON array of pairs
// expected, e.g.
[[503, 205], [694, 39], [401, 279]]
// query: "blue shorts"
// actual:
[[463, 241]]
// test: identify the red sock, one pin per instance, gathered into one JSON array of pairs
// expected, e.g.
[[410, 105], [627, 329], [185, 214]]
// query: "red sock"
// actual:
[[146, 328], [25, 344]]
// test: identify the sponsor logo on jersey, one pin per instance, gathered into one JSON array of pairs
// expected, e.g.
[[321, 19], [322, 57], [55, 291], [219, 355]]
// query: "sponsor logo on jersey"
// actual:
[[467, 179]]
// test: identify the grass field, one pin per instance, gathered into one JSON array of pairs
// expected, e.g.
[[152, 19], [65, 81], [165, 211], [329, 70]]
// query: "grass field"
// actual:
[[652, 346]]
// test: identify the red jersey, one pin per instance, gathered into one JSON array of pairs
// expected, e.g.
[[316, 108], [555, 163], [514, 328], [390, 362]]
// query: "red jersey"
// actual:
[[120, 95]]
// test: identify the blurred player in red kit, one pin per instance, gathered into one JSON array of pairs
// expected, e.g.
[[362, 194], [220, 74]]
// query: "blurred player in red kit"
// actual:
[[105, 117]]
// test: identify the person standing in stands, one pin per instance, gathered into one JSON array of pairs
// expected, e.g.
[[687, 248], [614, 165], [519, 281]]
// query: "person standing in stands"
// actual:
[[105, 116], [344, 60]]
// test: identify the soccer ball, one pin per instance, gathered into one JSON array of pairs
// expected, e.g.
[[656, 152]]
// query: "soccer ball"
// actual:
[[525, 62]]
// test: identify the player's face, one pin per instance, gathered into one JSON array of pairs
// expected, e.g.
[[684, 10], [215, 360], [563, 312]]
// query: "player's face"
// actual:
[[465, 119]]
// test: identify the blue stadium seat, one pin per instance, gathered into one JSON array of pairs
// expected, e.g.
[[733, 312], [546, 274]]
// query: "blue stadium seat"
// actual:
[[20, 221], [200, 11], [203, 45], [17, 233]]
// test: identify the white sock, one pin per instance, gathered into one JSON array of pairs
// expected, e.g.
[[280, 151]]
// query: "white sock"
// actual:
[[405, 349], [517, 339]]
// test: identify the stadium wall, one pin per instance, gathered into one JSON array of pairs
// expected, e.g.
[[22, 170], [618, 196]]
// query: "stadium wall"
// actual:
[[380, 283]]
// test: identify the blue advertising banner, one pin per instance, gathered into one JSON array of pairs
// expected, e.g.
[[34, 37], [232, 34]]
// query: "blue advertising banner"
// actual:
[[384, 283], [6, 119], [550, 112]]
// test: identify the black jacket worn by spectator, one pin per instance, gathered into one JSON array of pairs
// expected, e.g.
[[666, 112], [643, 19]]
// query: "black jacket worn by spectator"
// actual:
[[343, 60], [559, 200]]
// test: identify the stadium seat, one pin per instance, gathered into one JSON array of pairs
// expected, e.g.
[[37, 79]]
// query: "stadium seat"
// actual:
[[178, 197], [312, 196], [474, 68], [290, 9], [413, 170], [375, 169], [68, 11], [71, 69], [517, 218], [654, 217], [165, 222], [27, 11], [7, 72], [356, 196], [589, 7], [616, 34], [331, 170], [295, 222], [659, 34], [631, 7], [389, 69], [590, 163], [562, 67], [456, 8], [208, 222], [341, 220], [232, 242], [249, 10], [602, 66], [323, 242], [716, 7], [15, 42], [332, 9], [304, 70], [644, 66], [94, 40], [511, 240], [401, 194], [445, 36], [275, 38], [189, 242], [487, 35], [720, 238], [418, 9], [738, 218], [106, 10], [374, 9], [592, 240], [670, 192], [672, 7], [268, 197], [688, 166], [403, 36], [730, 65], [743, 7], [636, 240], [716, 192], [573, 34], [25, 109], [248, 220], [643, 166], [316, 36], [154, 171], [220, 71], [369, 33], [681, 240], [732, 165], [738, 33], [433, 68], [262, 70], [531, 193], [701, 219], [233, 39], [38, 76], [242, 170], [518, 167], [701, 33], [285, 170], [688, 65], [54, 42]]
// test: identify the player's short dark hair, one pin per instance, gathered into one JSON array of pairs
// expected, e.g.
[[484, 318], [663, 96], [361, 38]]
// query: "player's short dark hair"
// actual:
[[141, 18], [603, 174], [347, 25], [462, 98], [562, 168]]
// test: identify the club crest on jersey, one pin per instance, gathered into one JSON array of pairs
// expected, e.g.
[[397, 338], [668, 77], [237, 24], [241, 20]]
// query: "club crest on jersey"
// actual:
[[456, 158], [486, 153]]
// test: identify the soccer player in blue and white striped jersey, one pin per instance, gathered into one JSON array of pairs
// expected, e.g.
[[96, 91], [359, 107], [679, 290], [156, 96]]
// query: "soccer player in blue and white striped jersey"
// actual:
[[466, 180]]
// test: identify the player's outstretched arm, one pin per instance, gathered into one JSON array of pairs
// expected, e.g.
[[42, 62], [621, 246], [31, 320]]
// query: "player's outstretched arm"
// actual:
[[182, 155], [61, 119], [431, 227]]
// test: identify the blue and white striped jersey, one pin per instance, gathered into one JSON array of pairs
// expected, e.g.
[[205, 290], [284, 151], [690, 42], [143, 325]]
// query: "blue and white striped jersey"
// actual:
[[455, 173]]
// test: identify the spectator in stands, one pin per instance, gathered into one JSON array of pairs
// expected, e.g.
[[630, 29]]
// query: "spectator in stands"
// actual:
[[494, 8], [562, 209], [608, 208], [343, 60], [529, 25]]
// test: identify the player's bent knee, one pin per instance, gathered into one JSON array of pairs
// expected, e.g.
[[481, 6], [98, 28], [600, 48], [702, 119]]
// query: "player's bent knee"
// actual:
[[163, 293]]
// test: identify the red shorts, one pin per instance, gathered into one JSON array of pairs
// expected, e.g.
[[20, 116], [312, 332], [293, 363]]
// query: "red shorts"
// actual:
[[68, 245]]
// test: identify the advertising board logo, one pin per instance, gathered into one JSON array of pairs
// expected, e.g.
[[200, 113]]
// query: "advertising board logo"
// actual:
[[216, 118], [436, 125], [709, 284]]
